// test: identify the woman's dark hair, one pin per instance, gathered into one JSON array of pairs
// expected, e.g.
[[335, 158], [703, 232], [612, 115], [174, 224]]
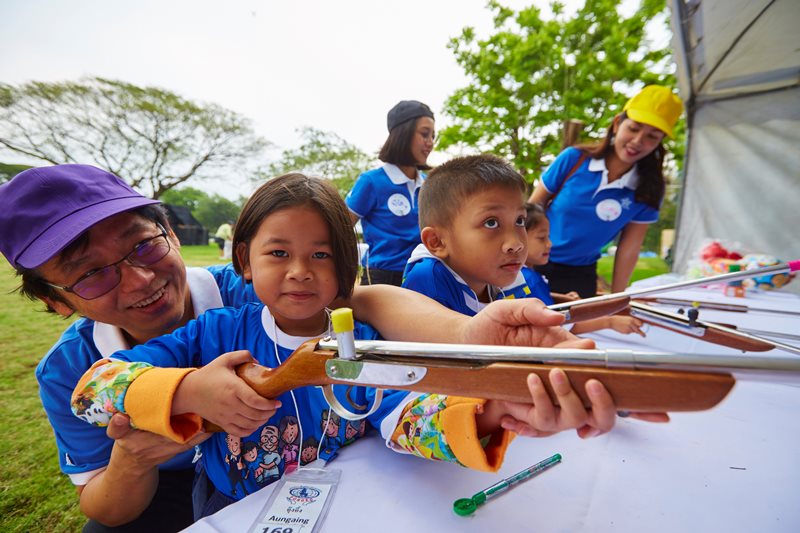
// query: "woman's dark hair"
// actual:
[[652, 183], [33, 284], [535, 214], [397, 148], [293, 190]]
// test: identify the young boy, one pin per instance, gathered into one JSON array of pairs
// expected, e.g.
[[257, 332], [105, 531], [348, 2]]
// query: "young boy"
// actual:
[[474, 242]]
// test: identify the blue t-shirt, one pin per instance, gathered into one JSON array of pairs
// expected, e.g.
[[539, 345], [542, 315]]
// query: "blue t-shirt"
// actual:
[[430, 276], [82, 448], [538, 285], [587, 213], [239, 467], [389, 216]]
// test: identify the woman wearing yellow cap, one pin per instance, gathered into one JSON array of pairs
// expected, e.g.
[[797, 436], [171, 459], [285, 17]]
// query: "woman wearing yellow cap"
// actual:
[[596, 191]]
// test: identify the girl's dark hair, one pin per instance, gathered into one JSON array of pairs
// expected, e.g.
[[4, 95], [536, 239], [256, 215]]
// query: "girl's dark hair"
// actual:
[[652, 184], [293, 190], [535, 215], [397, 148], [33, 284]]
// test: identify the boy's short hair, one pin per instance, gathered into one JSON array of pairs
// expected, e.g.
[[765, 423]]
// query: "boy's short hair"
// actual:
[[448, 185]]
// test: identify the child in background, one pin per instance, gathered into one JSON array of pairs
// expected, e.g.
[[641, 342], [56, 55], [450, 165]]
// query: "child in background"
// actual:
[[474, 245], [538, 229], [294, 242]]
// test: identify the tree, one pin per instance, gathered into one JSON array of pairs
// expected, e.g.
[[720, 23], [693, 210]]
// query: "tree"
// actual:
[[325, 154], [151, 137], [209, 210], [533, 73], [215, 209], [9, 171], [186, 196]]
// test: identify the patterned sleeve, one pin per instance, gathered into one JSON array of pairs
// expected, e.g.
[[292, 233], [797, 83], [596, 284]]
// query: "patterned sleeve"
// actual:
[[443, 428], [101, 391]]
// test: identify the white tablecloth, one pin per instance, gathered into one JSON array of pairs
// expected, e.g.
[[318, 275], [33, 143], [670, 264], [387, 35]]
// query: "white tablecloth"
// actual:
[[733, 468]]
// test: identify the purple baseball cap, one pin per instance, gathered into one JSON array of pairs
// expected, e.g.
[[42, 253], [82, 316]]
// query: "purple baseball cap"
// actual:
[[45, 209]]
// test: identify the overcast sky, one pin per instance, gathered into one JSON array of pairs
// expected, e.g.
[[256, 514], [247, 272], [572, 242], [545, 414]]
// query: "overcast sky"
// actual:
[[336, 65]]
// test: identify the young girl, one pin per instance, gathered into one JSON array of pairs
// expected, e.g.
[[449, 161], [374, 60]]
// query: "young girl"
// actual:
[[600, 190], [294, 243], [538, 228], [385, 198]]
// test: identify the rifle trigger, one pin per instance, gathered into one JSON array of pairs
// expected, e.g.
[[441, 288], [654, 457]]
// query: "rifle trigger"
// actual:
[[341, 410]]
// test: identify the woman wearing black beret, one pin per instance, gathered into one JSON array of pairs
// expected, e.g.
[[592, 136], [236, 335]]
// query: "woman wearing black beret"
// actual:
[[385, 198]]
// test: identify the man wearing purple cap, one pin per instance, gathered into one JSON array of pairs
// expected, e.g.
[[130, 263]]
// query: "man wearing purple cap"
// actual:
[[84, 242]]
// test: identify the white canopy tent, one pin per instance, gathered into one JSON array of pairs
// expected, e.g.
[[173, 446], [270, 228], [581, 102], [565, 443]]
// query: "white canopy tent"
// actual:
[[739, 75]]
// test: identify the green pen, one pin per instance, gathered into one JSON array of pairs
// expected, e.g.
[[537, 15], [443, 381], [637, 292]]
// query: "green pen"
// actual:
[[467, 506]]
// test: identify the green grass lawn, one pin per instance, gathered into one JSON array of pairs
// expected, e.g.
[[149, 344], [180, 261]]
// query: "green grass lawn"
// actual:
[[34, 495], [646, 267]]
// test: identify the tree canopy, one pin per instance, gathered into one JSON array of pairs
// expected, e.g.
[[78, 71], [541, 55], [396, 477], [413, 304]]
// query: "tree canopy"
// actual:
[[324, 154], [152, 138], [534, 72], [210, 210]]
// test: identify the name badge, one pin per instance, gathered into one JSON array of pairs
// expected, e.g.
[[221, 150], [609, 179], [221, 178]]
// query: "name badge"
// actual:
[[299, 502]]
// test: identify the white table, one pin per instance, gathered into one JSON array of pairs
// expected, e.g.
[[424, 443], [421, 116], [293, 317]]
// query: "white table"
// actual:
[[733, 468]]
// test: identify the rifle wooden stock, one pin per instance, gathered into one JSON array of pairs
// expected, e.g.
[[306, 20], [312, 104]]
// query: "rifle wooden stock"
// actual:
[[632, 390]]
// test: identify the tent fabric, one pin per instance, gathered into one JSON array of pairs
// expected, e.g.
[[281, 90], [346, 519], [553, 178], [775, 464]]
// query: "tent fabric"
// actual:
[[739, 74]]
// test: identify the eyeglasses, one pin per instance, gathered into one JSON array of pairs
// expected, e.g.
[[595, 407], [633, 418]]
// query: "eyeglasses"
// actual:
[[98, 282]]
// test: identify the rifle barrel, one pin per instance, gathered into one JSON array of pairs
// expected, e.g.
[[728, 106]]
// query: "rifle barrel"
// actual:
[[791, 266], [744, 365]]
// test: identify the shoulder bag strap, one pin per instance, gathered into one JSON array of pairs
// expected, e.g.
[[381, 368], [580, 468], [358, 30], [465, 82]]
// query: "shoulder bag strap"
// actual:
[[575, 167]]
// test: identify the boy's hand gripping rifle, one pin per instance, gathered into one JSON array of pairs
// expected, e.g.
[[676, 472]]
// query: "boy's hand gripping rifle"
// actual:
[[637, 381], [609, 304]]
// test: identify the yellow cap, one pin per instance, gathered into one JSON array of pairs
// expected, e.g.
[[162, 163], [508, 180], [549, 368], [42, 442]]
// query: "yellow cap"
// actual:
[[656, 106], [342, 320]]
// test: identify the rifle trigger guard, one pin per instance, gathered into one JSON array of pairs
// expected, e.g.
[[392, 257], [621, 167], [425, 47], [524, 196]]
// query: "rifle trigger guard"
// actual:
[[341, 410]]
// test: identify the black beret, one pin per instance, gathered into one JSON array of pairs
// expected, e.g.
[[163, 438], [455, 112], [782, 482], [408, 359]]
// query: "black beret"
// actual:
[[405, 111]]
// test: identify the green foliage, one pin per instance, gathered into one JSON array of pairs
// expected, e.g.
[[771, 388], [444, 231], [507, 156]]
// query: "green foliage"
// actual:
[[535, 72], [9, 171], [215, 209], [151, 137], [325, 154], [209, 210], [189, 197]]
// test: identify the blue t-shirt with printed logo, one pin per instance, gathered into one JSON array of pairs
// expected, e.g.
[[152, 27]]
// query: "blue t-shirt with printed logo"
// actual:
[[583, 216], [389, 218], [304, 425]]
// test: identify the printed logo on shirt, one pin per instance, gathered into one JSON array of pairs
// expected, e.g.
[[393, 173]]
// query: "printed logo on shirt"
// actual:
[[608, 210], [399, 205]]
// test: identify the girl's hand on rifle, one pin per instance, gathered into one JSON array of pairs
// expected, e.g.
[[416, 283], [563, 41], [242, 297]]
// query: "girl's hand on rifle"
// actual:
[[541, 418], [217, 394]]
